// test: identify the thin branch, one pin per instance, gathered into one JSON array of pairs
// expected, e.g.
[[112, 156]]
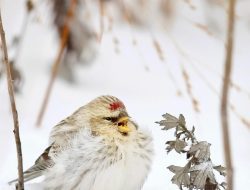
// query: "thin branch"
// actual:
[[185, 75], [193, 139], [225, 90], [64, 39], [210, 86], [20, 185], [158, 49], [186, 78], [160, 54]]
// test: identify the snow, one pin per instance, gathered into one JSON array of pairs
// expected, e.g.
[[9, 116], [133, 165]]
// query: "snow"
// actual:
[[137, 76]]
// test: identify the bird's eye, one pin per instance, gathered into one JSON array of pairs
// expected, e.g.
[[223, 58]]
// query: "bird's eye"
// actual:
[[108, 118], [112, 119]]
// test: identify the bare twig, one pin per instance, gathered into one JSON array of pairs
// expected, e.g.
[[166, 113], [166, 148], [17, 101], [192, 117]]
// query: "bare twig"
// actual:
[[158, 49], [13, 108], [191, 61], [64, 39], [225, 89], [194, 101], [171, 76], [191, 135], [185, 75]]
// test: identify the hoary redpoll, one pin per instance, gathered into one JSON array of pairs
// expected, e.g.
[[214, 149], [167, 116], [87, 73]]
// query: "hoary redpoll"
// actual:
[[98, 147]]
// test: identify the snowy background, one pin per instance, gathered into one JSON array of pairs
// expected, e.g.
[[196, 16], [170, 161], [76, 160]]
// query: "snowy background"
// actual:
[[148, 85]]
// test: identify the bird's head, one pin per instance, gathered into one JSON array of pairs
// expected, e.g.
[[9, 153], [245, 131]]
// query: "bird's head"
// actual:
[[108, 115]]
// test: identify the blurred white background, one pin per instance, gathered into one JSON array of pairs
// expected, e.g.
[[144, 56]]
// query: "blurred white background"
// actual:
[[140, 60]]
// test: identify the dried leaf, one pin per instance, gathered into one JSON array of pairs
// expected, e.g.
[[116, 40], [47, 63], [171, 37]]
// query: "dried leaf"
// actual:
[[171, 146], [181, 176], [221, 170], [193, 175], [178, 145], [203, 172], [182, 120], [175, 169], [223, 185], [169, 122], [210, 186], [170, 117], [193, 129], [201, 151]]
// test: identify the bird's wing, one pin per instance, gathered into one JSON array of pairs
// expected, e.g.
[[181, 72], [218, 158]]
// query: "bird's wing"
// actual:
[[59, 140], [64, 131], [43, 162]]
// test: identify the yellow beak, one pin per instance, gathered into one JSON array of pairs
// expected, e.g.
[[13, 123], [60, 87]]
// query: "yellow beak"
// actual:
[[123, 125]]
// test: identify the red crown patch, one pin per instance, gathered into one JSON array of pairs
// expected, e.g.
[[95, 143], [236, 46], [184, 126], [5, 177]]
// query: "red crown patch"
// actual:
[[116, 105]]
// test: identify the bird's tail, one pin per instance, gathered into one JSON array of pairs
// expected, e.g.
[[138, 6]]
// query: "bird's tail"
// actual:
[[28, 175], [41, 165]]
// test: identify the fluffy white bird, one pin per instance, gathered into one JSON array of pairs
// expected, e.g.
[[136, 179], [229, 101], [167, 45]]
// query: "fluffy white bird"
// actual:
[[98, 147]]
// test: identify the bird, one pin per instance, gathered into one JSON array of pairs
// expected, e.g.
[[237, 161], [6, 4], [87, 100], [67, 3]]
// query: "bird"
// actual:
[[98, 147]]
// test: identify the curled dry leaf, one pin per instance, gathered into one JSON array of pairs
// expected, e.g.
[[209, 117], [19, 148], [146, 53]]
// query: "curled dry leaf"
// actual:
[[182, 120], [220, 169], [203, 172], [178, 145], [200, 151], [223, 185], [181, 177], [170, 146], [169, 122]]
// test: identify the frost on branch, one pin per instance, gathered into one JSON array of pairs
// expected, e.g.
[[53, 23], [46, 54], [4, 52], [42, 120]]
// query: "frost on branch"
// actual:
[[198, 173]]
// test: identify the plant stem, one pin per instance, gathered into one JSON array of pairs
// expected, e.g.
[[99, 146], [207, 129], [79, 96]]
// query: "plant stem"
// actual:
[[20, 185], [193, 139], [64, 40], [225, 90]]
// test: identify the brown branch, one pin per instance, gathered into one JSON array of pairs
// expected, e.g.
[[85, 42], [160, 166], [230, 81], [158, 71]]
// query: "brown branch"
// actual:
[[158, 49], [64, 40], [194, 101], [225, 90], [20, 185], [185, 76], [160, 54]]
